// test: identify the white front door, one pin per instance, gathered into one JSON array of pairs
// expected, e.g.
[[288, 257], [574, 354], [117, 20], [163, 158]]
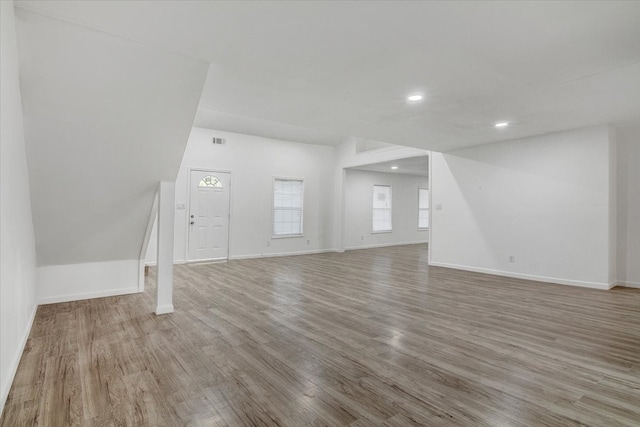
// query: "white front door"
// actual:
[[209, 215]]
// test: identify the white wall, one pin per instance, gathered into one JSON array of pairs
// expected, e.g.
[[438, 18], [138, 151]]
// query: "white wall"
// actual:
[[358, 204], [17, 257], [543, 199], [253, 163], [59, 283], [628, 206]]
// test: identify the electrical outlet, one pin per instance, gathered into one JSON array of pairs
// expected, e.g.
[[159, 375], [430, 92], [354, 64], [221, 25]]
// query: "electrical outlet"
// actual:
[[308, 241], [268, 243], [439, 207], [361, 237], [512, 259]]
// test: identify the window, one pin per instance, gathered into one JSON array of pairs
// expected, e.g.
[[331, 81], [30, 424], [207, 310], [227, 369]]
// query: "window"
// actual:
[[210, 181], [381, 208], [287, 207], [423, 208]]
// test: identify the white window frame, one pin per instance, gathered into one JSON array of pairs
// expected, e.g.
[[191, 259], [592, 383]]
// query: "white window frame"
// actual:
[[423, 209], [390, 209], [273, 209]]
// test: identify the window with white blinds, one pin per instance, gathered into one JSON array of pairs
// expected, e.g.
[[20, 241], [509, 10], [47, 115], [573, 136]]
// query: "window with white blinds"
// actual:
[[382, 208], [288, 197], [423, 208]]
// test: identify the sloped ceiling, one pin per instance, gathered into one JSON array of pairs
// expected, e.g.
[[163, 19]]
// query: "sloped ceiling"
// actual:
[[345, 67], [105, 120]]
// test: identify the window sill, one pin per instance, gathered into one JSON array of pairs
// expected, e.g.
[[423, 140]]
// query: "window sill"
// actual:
[[382, 232], [423, 229]]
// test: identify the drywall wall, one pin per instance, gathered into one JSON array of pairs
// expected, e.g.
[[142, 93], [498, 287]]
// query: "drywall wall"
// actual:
[[253, 163], [544, 200], [17, 247], [358, 209], [628, 193], [59, 283]]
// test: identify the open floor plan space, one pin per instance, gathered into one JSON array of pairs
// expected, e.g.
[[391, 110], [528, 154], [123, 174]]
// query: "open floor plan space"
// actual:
[[366, 337]]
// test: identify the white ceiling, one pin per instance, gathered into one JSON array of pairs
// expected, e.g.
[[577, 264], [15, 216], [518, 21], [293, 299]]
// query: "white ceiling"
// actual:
[[344, 68], [407, 166], [228, 122]]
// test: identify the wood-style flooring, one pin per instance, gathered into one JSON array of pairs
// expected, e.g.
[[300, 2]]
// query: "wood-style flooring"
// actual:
[[365, 338]]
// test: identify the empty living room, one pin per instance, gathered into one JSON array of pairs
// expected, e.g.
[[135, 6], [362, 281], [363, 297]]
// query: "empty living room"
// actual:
[[319, 213]]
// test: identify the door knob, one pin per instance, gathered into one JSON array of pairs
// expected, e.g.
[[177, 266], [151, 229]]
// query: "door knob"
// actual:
[[191, 216], [192, 222]]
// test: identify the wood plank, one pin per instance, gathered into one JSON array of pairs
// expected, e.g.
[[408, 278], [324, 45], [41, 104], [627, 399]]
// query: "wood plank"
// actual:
[[368, 337]]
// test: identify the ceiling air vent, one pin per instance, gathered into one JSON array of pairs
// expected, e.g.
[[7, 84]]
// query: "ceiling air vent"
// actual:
[[219, 141]]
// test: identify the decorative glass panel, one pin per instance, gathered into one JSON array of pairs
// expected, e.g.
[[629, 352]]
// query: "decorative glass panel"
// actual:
[[210, 181]]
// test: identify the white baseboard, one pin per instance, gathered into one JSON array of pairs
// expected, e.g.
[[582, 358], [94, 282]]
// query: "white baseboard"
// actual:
[[629, 284], [385, 245], [87, 295], [8, 380], [555, 280], [279, 254], [175, 262]]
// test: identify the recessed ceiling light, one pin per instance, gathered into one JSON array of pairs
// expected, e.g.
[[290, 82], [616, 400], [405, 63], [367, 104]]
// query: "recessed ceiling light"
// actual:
[[394, 167], [502, 124], [415, 97]]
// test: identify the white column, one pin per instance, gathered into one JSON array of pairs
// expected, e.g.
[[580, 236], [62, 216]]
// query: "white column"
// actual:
[[164, 289]]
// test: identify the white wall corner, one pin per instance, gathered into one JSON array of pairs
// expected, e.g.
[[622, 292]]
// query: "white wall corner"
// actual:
[[340, 211], [613, 206], [166, 220], [17, 253], [153, 214], [429, 252]]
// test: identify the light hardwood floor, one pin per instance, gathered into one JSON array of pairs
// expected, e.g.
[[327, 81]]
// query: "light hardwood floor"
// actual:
[[369, 337]]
